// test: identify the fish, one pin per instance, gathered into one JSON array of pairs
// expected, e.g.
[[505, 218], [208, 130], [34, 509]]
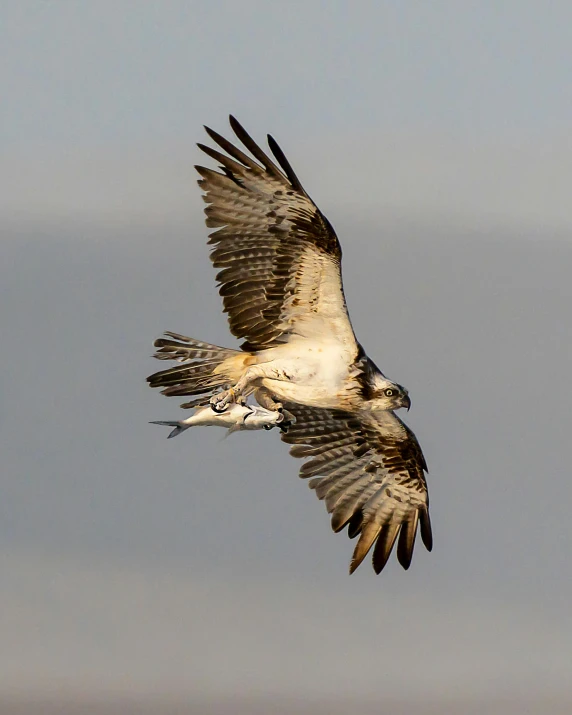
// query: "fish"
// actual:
[[236, 417]]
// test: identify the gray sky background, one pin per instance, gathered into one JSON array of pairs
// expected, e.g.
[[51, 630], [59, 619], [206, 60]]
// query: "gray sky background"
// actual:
[[436, 137]]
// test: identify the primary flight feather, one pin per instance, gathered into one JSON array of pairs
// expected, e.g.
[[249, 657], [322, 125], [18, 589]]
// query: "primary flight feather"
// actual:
[[279, 263]]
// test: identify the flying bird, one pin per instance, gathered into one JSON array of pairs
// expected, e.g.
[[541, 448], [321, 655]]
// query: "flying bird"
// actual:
[[279, 262]]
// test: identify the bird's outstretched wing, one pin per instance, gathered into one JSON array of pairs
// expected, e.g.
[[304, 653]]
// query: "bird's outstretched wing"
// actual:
[[369, 470], [278, 255]]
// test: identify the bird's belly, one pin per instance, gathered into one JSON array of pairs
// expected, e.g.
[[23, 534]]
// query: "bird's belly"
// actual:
[[311, 395], [316, 376]]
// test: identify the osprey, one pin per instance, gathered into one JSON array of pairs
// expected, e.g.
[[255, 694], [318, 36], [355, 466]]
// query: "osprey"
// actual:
[[279, 263]]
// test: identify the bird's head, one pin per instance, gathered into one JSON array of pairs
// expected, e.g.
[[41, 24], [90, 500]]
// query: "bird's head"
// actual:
[[390, 396]]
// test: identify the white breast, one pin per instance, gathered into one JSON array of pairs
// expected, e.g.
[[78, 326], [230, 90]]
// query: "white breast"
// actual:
[[307, 372]]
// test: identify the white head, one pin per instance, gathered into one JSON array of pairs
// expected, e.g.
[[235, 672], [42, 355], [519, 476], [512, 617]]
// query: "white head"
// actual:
[[387, 395]]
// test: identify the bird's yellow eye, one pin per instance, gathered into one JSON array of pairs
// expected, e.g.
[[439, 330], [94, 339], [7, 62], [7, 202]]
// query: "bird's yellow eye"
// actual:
[[389, 392]]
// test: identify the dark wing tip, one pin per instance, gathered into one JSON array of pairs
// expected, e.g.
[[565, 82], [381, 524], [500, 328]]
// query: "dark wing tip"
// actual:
[[285, 164], [247, 140], [406, 542], [405, 547], [254, 149], [355, 524], [384, 546], [237, 128], [215, 136], [426, 531]]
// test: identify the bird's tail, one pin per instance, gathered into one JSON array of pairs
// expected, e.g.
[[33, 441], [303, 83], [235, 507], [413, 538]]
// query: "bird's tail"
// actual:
[[205, 370]]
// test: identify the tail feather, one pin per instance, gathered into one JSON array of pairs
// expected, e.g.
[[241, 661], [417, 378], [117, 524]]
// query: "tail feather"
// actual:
[[197, 375], [199, 402], [199, 371], [184, 348], [185, 388]]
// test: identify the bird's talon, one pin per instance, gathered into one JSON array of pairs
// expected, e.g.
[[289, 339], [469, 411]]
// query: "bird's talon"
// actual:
[[218, 407], [288, 417], [220, 402]]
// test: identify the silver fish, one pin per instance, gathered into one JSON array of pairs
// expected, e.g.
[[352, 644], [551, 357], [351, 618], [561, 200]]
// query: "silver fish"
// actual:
[[236, 417]]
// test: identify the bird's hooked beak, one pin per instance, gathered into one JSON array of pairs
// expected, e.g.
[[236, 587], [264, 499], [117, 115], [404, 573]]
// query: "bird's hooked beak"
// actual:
[[407, 402]]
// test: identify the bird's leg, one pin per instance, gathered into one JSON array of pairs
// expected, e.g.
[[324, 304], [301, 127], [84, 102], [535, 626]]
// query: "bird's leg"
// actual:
[[223, 399], [267, 400], [250, 376]]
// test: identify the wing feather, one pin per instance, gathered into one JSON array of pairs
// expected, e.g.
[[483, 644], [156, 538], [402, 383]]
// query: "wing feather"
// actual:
[[327, 488], [254, 149], [370, 472], [273, 239], [384, 545], [285, 164], [407, 540]]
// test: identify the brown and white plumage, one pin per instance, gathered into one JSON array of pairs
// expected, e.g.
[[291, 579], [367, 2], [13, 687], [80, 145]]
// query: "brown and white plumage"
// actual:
[[370, 472], [278, 255], [279, 274]]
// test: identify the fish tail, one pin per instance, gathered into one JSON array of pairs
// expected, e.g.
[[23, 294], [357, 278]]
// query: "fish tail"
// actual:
[[179, 427]]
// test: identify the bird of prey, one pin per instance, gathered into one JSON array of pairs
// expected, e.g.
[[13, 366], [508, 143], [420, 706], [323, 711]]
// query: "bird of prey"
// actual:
[[279, 262]]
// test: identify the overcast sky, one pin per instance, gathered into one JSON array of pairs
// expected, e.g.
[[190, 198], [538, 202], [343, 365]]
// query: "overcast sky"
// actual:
[[436, 137]]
